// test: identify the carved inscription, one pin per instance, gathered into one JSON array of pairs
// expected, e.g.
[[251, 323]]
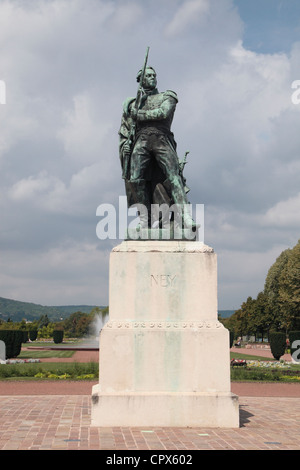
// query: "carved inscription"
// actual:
[[162, 280]]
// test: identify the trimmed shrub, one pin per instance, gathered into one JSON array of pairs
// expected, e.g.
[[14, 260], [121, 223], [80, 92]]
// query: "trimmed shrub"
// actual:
[[25, 336], [33, 335], [277, 344], [231, 338], [18, 338], [13, 342], [294, 336], [6, 337], [58, 336]]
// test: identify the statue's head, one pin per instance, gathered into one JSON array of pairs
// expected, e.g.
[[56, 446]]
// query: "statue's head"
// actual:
[[150, 81]]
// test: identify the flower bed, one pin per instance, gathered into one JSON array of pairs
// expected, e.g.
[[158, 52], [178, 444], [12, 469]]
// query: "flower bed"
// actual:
[[269, 364], [48, 375], [291, 378], [264, 371], [260, 364], [238, 362], [20, 361]]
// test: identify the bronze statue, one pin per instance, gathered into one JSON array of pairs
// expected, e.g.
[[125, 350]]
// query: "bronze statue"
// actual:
[[150, 165]]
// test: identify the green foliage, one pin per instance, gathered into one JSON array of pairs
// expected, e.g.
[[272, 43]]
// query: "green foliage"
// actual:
[[58, 336], [13, 342], [25, 336], [231, 338], [42, 354], [277, 344], [33, 335], [77, 325], [80, 324], [72, 371], [258, 375], [250, 318], [46, 332], [277, 307], [282, 288], [43, 321]]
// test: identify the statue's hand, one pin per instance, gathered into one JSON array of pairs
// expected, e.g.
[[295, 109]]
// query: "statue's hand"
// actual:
[[126, 149], [133, 113]]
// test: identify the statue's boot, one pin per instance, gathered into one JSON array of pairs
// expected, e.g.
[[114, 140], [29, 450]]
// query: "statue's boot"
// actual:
[[179, 197], [141, 200]]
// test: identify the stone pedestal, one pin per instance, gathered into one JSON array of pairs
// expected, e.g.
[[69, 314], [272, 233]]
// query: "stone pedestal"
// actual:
[[164, 356]]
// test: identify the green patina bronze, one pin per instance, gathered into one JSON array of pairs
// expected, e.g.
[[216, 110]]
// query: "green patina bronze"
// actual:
[[151, 169]]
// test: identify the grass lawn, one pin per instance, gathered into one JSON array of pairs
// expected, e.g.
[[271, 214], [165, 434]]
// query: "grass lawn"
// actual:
[[41, 354], [48, 370], [237, 355]]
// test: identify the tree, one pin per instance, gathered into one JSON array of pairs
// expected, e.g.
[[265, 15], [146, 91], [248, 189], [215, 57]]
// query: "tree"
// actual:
[[282, 290], [77, 324], [289, 290], [241, 320], [272, 288], [260, 318], [46, 331], [43, 321]]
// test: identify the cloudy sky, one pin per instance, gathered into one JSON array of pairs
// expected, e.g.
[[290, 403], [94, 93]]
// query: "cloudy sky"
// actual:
[[68, 65]]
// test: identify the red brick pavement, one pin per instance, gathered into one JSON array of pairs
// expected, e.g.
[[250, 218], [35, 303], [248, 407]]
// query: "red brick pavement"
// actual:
[[62, 422], [66, 387], [56, 416]]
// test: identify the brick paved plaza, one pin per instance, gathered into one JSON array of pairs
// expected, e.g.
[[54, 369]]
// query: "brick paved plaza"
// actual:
[[56, 416], [62, 422]]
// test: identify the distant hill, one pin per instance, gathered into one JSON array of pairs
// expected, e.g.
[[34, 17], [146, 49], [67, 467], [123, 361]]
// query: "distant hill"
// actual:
[[17, 311], [226, 313]]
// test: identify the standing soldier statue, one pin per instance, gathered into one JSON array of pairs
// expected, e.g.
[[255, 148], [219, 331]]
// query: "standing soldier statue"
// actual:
[[150, 165]]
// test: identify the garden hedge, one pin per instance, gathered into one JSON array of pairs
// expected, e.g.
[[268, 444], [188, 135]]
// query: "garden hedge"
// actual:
[[231, 338], [277, 344], [25, 336], [294, 336], [58, 336], [13, 342], [33, 335]]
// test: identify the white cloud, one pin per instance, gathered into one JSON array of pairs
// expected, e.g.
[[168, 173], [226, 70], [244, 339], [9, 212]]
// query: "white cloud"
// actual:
[[33, 187], [77, 198], [285, 214], [126, 16], [68, 66], [58, 274], [189, 13], [83, 133], [252, 269]]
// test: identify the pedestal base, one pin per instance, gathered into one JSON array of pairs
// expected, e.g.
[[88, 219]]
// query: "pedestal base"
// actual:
[[165, 409], [164, 356]]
